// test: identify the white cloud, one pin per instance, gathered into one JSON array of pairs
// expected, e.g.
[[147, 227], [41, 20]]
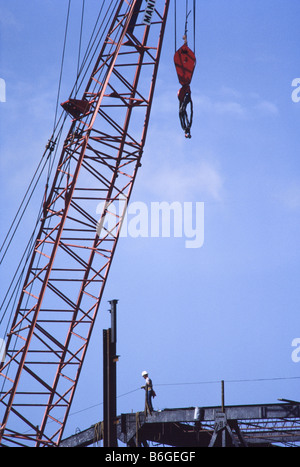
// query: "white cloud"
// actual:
[[174, 168], [217, 106], [230, 92], [267, 107], [7, 19], [199, 180], [290, 196], [231, 102], [2, 90], [229, 107]]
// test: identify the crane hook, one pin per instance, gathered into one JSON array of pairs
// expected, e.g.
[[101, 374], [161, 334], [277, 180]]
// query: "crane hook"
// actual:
[[185, 62]]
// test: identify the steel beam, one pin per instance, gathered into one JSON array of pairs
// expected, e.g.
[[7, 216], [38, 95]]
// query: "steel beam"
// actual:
[[257, 424], [110, 359]]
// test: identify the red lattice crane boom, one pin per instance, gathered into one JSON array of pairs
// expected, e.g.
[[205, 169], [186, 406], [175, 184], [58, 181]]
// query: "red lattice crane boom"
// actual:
[[73, 250]]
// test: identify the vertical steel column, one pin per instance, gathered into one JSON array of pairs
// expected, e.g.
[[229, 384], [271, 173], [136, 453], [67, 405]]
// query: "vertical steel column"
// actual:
[[223, 395], [105, 389], [110, 380], [113, 374]]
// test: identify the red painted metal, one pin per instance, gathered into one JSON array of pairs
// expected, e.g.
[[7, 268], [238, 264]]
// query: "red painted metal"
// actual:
[[74, 249], [76, 107], [185, 62]]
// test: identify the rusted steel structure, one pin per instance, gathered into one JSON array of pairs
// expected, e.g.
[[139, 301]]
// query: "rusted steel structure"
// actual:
[[263, 425], [73, 251]]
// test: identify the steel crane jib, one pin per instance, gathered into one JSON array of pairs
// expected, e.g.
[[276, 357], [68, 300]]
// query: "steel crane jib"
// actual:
[[67, 272]]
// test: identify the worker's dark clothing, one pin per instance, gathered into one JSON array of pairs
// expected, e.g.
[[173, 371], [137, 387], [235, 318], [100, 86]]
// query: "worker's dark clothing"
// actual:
[[148, 396]]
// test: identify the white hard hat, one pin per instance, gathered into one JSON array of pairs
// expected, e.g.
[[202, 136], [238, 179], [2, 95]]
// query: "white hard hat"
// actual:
[[144, 373]]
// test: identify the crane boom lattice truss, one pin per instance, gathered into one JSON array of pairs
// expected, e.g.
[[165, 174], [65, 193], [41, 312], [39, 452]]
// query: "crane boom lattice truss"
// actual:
[[74, 249]]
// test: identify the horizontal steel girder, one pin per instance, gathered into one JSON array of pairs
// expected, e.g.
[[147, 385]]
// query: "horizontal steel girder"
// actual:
[[267, 423]]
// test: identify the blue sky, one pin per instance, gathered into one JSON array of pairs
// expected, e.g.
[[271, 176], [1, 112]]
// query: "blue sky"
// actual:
[[191, 317]]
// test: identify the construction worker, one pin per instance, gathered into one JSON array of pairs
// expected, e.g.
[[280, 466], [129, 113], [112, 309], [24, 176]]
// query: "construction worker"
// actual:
[[149, 393]]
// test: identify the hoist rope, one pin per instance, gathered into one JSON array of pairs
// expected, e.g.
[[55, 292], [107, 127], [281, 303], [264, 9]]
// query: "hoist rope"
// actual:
[[80, 41], [194, 18], [94, 42], [54, 139], [175, 23], [62, 64], [187, 14], [48, 157], [184, 60], [10, 300], [22, 208]]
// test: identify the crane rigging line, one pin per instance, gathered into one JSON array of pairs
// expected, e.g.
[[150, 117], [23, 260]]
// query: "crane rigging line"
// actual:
[[194, 16], [47, 158], [55, 137], [62, 64], [188, 12], [28, 193], [94, 42], [185, 62], [40, 168], [46, 297], [13, 288], [10, 295], [80, 41], [193, 383]]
